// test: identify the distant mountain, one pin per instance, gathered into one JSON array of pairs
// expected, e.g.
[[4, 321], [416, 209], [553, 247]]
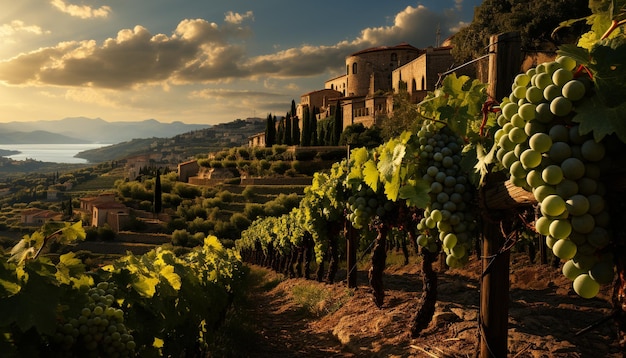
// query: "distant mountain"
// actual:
[[96, 130], [38, 136]]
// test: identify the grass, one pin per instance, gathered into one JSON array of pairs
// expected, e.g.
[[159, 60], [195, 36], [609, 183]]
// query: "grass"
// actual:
[[317, 300], [101, 182]]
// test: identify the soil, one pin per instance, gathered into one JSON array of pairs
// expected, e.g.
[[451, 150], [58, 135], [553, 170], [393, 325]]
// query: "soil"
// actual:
[[544, 316]]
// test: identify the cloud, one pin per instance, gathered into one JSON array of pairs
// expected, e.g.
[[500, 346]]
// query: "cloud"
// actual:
[[15, 27], [224, 93], [82, 11], [199, 51], [236, 18]]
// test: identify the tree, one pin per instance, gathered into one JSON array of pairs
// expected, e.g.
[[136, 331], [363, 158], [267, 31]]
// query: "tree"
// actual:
[[280, 134], [356, 135], [336, 126], [535, 20], [313, 126], [403, 117], [158, 202], [270, 131], [287, 135], [306, 127], [296, 133]]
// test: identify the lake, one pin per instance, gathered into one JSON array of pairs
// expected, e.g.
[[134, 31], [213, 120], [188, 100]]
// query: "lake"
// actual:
[[54, 153]]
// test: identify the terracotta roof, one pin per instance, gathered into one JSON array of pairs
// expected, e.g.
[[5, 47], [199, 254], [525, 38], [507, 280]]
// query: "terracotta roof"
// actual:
[[402, 46], [110, 205]]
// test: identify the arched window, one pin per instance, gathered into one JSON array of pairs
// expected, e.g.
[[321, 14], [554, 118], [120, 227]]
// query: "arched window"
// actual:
[[423, 83], [413, 85], [354, 68], [347, 69]]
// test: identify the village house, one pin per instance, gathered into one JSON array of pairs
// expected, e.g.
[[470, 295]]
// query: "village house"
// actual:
[[372, 76], [104, 209], [38, 217]]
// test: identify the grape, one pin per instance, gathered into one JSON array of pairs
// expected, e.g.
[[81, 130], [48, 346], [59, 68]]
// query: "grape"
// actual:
[[592, 150], [553, 205], [573, 168], [603, 272], [543, 80], [534, 95], [577, 205], [551, 92], [561, 106], [583, 224], [571, 271], [90, 334], [585, 286], [560, 229], [573, 90], [567, 62], [530, 158], [552, 174], [540, 142], [561, 76], [564, 249]]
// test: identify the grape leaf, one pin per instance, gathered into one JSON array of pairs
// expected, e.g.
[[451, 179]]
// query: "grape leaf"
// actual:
[[371, 175], [145, 285], [416, 194], [172, 278], [595, 117]]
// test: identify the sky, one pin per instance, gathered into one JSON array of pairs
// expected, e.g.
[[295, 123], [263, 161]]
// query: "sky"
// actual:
[[194, 61]]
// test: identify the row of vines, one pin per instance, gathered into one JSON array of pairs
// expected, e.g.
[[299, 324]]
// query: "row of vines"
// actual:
[[559, 137], [157, 304]]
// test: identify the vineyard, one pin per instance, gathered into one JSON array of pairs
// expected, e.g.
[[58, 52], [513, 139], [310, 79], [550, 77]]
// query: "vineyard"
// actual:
[[478, 176], [532, 159]]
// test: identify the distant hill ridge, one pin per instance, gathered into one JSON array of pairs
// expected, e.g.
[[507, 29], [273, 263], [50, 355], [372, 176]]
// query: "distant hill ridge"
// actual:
[[89, 130]]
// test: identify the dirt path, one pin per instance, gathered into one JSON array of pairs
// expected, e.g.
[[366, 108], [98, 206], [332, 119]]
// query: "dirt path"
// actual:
[[544, 316]]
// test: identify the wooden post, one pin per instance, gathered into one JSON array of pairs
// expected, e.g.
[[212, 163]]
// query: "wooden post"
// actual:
[[504, 64], [351, 255]]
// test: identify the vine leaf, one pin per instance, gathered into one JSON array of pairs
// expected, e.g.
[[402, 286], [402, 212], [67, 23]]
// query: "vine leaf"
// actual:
[[371, 175], [416, 194], [595, 117]]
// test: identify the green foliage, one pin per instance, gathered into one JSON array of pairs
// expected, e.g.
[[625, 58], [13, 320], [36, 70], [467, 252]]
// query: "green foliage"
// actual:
[[535, 20], [356, 135]]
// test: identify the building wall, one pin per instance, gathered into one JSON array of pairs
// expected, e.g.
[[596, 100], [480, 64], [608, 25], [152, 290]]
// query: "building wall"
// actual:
[[375, 65], [337, 84]]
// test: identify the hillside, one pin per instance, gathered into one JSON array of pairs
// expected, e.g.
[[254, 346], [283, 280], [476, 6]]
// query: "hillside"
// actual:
[[38, 136], [201, 141], [303, 318], [91, 130]]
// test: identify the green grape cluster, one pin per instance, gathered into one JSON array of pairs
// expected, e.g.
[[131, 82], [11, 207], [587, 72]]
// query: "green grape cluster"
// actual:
[[545, 153], [99, 330], [365, 204], [448, 218]]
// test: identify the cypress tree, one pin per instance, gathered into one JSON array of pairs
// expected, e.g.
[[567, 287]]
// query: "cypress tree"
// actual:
[[157, 193], [270, 131], [287, 137], [296, 133], [313, 126], [338, 124], [280, 135], [306, 127]]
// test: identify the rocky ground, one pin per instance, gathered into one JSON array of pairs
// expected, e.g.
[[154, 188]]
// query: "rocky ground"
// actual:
[[544, 316]]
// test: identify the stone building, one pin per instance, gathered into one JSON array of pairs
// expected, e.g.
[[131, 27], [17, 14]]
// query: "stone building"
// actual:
[[424, 73]]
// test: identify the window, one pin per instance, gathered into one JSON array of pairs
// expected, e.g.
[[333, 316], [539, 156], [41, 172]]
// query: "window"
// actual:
[[423, 83], [414, 86], [394, 58], [354, 68], [347, 69]]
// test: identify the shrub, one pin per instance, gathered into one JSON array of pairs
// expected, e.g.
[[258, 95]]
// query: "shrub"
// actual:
[[248, 193], [279, 167], [240, 221], [105, 233], [180, 237], [226, 196], [305, 155], [252, 211]]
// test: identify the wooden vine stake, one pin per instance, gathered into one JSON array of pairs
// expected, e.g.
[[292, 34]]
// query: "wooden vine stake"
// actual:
[[504, 63]]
